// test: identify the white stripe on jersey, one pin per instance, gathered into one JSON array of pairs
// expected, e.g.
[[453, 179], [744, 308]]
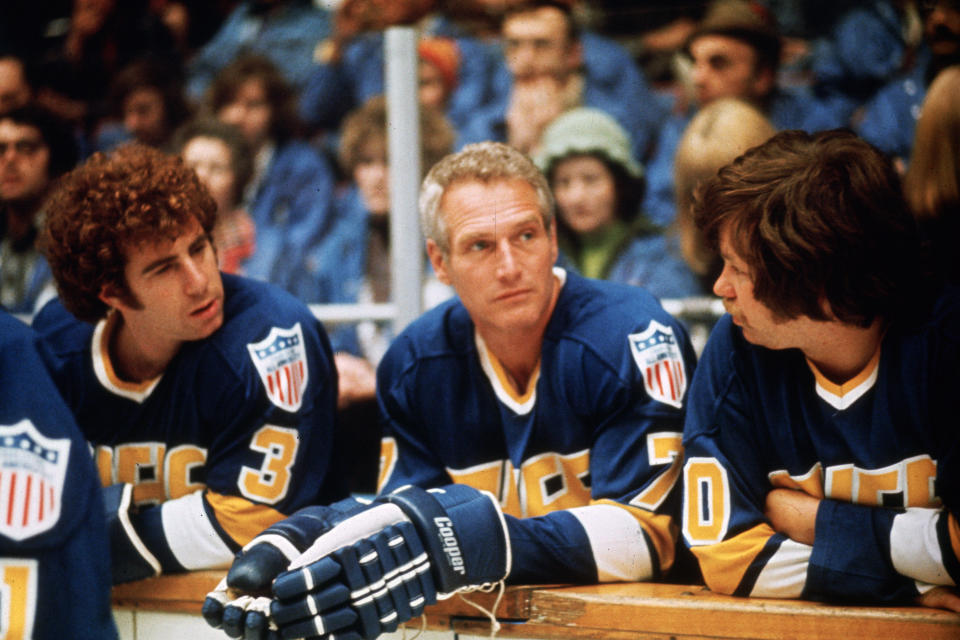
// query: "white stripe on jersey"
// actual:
[[785, 574], [915, 548], [616, 538], [191, 537]]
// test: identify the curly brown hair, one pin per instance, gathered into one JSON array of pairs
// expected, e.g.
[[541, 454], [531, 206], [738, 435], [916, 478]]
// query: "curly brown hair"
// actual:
[[109, 204]]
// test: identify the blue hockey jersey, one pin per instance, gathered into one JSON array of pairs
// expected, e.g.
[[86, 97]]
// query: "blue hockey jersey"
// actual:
[[880, 451], [233, 436], [54, 554], [584, 464]]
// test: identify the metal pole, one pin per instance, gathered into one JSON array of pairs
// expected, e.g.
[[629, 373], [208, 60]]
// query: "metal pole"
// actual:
[[403, 152]]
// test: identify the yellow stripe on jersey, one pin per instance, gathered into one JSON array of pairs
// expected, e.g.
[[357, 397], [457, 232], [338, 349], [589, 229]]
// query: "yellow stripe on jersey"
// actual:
[[841, 396], [388, 460], [725, 563], [662, 529], [109, 326], [241, 519]]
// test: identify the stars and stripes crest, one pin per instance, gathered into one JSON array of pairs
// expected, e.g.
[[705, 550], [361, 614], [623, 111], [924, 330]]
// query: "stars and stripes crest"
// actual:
[[658, 356], [32, 472], [282, 364]]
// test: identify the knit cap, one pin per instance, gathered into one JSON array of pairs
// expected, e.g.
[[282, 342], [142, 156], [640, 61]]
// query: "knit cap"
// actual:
[[444, 54], [585, 131]]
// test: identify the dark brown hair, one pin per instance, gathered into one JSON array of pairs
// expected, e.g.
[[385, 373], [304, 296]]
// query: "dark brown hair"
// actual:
[[109, 203], [285, 122], [818, 218]]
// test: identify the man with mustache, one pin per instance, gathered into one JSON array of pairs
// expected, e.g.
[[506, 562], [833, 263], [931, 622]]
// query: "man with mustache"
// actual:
[[210, 399], [889, 118], [820, 438]]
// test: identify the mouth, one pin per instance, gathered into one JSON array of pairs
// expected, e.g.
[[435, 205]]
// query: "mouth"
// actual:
[[209, 308], [514, 294]]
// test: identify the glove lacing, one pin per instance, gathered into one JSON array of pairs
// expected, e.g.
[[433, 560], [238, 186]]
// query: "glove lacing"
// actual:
[[486, 588]]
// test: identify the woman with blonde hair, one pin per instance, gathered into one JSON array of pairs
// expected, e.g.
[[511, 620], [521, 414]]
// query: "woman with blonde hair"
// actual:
[[718, 133], [932, 181]]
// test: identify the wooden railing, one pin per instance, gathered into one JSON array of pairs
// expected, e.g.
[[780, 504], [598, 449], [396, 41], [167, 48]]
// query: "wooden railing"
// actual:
[[635, 610]]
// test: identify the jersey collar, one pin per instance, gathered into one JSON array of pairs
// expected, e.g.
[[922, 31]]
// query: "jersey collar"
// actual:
[[103, 367]]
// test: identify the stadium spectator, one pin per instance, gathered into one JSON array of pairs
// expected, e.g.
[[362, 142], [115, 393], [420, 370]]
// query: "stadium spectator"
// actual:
[[37, 147], [351, 264], [587, 158], [290, 194], [820, 442], [932, 181], [351, 62], [15, 89], [209, 399], [716, 135], [54, 555], [548, 390], [286, 32], [550, 66], [147, 104], [889, 118], [221, 158], [80, 53], [735, 52]]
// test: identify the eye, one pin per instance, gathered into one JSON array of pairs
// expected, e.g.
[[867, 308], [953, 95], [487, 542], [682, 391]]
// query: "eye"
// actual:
[[479, 245], [199, 246]]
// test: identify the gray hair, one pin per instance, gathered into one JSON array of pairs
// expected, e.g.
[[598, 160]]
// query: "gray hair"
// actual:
[[484, 162]]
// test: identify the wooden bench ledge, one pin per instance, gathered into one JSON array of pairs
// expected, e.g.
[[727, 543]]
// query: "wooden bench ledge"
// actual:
[[614, 611]]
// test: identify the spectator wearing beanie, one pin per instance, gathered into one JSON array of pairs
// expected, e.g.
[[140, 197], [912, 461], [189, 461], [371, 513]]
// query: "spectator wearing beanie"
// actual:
[[602, 233]]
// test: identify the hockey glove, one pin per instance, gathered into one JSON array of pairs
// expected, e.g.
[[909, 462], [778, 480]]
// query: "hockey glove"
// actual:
[[380, 567], [240, 603], [130, 558]]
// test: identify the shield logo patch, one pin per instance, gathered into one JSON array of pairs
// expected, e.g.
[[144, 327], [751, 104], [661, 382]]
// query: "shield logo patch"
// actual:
[[658, 356], [32, 472], [282, 364]]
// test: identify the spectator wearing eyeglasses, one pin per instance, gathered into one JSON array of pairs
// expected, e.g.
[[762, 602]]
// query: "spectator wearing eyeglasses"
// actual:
[[35, 149]]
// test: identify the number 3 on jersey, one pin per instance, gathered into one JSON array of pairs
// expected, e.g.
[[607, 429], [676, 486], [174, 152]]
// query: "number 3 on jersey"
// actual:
[[271, 481], [18, 597]]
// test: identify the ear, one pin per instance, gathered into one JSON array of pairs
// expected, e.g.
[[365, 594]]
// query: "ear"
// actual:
[[763, 83], [438, 261], [111, 297]]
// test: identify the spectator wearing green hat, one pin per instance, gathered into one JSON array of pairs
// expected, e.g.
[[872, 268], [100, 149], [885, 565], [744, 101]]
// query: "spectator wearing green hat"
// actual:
[[602, 233]]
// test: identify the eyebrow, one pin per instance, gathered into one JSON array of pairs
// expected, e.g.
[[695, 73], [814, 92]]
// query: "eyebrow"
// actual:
[[156, 264]]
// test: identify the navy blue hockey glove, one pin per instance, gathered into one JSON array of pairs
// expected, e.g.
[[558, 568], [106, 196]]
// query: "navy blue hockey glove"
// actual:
[[380, 567], [240, 603], [130, 558]]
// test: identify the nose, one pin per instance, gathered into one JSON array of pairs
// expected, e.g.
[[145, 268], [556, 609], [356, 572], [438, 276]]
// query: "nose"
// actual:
[[722, 286], [194, 278], [507, 267]]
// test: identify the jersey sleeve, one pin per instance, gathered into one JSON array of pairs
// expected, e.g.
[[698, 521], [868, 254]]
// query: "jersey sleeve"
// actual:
[[271, 455], [54, 554], [725, 483], [627, 530]]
